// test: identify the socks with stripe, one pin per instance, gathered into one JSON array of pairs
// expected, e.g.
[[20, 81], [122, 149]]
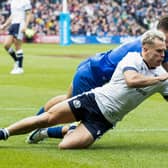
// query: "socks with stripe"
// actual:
[[56, 132], [19, 55], [12, 54]]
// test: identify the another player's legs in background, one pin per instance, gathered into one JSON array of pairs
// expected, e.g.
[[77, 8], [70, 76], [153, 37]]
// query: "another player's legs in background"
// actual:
[[11, 53], [16, 56], [18, 68], [7, 45], [15, 36]]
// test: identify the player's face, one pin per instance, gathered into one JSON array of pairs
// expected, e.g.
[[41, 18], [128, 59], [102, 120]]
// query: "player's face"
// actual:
[[155, 53]]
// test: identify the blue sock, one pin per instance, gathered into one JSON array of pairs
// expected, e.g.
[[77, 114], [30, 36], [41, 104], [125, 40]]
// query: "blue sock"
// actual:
[[42, 110], [55, 132]]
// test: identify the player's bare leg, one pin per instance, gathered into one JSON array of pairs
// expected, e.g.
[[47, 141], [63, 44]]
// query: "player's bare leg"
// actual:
[[8, 42], [39, 135], [79, 138], [60, 113], [19, 54], [56, 100]]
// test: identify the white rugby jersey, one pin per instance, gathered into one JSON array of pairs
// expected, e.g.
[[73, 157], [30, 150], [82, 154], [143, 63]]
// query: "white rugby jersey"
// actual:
[[115, 99], [18, 10]]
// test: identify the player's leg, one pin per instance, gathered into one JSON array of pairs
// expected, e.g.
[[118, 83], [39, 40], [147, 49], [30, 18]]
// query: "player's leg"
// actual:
[[18, 68], [18, 34], [79, 138], [60, 113], [82, 81], [39, 135], [54, 132], [19, 52], [51, 132], [9, 40], [93, 124], [60, 131]]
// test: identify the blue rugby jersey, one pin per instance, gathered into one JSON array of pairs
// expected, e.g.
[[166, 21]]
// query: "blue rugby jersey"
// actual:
[[103, 65]]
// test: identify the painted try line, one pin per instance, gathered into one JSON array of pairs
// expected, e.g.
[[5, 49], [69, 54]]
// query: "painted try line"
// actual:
[[17, 108], [141, 130]]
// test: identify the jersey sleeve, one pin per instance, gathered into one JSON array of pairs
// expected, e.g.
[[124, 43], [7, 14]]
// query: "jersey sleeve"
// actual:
[[131, 62]]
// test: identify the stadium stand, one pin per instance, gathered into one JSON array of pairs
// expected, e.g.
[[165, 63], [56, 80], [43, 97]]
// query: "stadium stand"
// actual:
[[94, 17]]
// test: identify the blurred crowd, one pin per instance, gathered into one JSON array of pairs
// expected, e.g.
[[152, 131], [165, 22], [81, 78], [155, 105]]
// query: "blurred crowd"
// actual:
[[94, 17]]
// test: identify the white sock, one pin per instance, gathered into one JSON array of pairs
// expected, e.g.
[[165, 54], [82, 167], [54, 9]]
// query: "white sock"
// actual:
[[44, 132]]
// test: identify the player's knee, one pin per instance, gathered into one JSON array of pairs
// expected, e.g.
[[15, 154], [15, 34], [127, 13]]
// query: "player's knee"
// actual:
[[51, 118], [67, 145], [62, 145], [46, 119]]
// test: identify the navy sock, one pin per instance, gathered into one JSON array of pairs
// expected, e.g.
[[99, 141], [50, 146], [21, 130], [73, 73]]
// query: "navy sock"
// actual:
[[3, 134], [55, 132], [20, 60], [19, 55], [41, 111], [12, 54]]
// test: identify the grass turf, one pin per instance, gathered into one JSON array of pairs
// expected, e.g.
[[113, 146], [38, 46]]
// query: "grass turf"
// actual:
[[139, 141]]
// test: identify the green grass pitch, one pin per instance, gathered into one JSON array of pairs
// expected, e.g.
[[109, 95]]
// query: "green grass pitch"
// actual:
[[139, 141]]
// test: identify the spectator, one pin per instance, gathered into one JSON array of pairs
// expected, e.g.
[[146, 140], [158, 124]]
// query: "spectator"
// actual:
[[95, 17]]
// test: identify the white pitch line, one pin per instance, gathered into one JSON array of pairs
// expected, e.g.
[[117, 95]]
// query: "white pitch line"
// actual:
[[141, 130]]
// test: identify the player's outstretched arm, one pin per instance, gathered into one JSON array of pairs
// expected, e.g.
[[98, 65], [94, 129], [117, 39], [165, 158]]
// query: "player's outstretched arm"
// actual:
[[135, 79]]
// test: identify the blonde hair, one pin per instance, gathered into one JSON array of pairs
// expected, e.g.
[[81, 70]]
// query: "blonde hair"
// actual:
[[149, 36]]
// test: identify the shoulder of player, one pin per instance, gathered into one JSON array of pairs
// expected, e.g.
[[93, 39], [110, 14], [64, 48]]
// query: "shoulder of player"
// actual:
[[133, 56]]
